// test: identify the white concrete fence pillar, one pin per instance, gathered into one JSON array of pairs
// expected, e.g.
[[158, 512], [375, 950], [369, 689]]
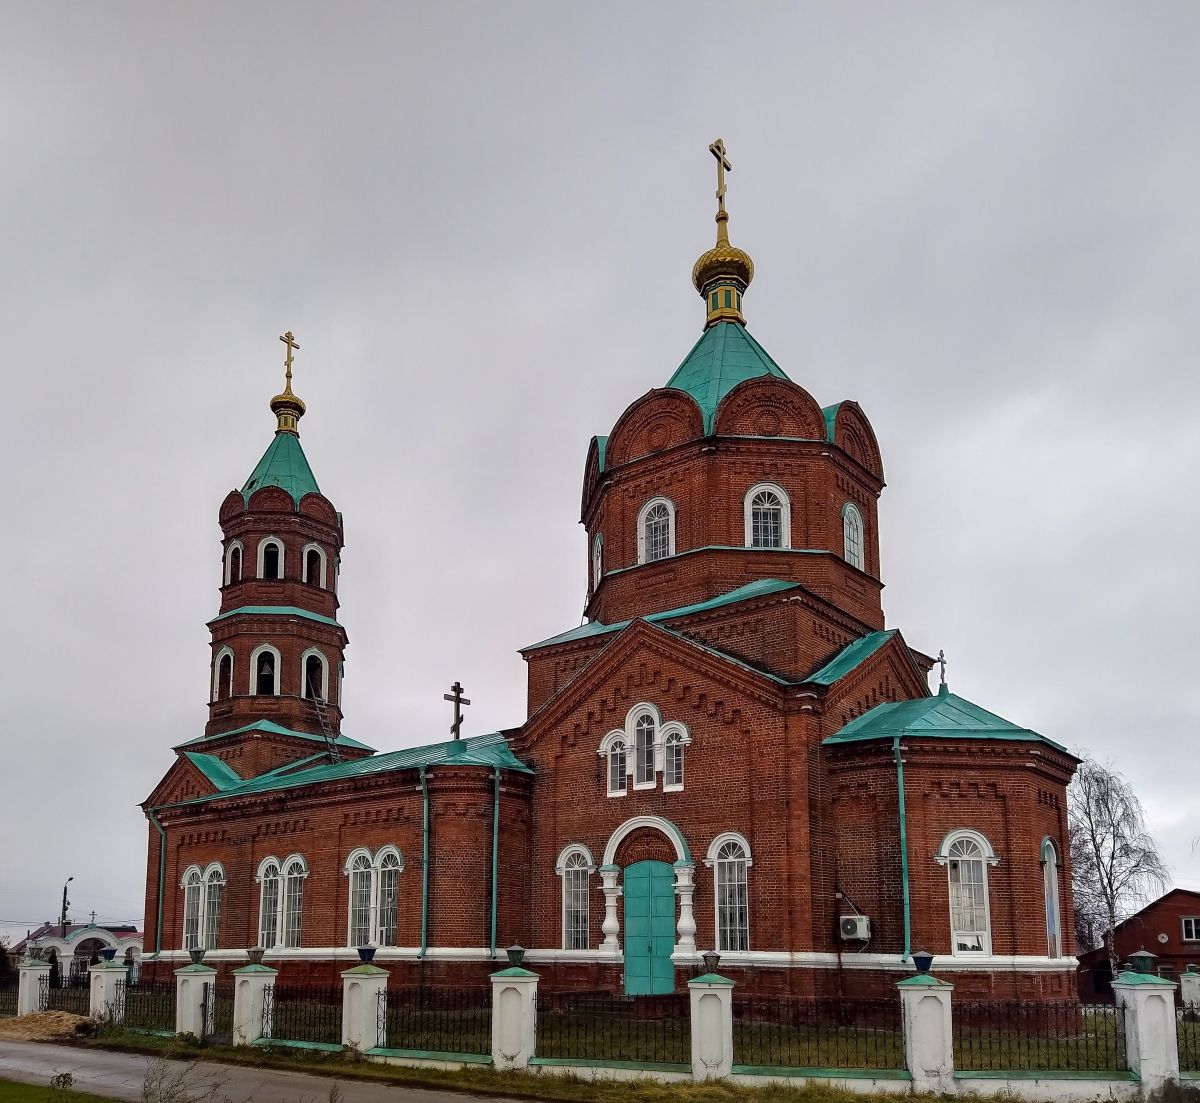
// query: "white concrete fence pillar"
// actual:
[[711, 999], [363, 989], [29, 985], [926, 1013], [106, 995], [1189, 985], [514, 1017], [1151, 1045], [251, 1019], [195, 988]]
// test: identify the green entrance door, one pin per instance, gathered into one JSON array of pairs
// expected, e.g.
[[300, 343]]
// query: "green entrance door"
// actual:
[[649, 891]]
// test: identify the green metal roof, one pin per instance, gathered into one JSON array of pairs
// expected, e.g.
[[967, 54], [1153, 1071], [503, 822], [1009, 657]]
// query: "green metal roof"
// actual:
[[946, 716], [760, 588], [488, 751], [601, 449], [725, 356], [278, 611], [848, 658], [283, 464], [272, 728], [830, 413], [217, 771]]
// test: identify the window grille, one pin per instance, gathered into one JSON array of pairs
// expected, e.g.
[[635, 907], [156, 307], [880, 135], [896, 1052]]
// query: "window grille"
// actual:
[[673, 761], [968, 897], [852, 533], [293, 903], [766, 520], [212, 909], [360, 901], [575, 903], [1050, 892], [733, 899], [389, 883], [658, 532], [644, 750], [193, 889], [268, 907], [617, 767]]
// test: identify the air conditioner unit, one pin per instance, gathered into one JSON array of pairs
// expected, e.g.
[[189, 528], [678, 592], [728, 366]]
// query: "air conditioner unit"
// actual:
[[855, 927]]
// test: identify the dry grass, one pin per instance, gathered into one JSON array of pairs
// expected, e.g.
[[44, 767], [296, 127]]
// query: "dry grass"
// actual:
[[47, 1026]]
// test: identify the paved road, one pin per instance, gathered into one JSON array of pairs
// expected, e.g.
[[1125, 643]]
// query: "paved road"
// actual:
[[122, 1076]]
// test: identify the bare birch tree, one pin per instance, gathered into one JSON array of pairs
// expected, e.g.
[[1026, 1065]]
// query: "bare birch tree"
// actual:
[[1115, 864]]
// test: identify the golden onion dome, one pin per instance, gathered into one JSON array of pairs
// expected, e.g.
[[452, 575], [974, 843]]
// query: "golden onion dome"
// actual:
[[723, 261]]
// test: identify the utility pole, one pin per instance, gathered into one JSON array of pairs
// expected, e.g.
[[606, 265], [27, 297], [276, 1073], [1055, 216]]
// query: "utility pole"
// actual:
[[62, 919]]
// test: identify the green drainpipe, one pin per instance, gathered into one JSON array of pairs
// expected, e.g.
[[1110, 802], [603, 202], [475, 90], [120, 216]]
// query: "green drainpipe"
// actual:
[[903, 850], [495, 853], [162, 875], [424, 865]]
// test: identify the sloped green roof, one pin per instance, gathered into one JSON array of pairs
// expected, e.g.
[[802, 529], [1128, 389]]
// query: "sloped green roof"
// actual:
[[283, 464], [596, 628], [488, 751], [276, 610], [274, 729], [222, 775], [830, 413], [725, 356], [946, 716], [848, 658]]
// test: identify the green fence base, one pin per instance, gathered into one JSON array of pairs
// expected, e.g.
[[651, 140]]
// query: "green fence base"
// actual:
[[1043, 1074], [600, 1063], [821, 1074], [324, 1047], [432, 1055]]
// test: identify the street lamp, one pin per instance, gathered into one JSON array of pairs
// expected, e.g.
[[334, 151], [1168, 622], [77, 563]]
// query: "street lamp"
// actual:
[[62, 919]]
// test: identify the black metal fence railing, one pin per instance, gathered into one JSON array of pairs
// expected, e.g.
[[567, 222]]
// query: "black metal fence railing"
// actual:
[[441, 1020], [150, 1007], [303, 1013], [217, 1017], [1061, 1035], [8, 996], [65, 996], [600, 1026], [1187, 1031], [804, 1032]]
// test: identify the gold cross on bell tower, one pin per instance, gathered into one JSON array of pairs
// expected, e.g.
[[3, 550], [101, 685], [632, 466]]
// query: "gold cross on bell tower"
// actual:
[[717, 149], [292, 346]]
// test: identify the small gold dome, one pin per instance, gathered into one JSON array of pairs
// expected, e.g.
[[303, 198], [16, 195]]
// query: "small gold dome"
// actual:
[[723, 261], [289, 409]]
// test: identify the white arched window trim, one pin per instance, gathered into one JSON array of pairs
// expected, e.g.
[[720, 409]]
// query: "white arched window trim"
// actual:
[[324, 672], [636, 717], [980, 840], [785, 504], [196, 918], [262, 547], [615, 770], [736, 924], [597, 560], [229, 550], [854, 537], [988, 856], [269, 878], [216, 672], [1051, 863], [674, 732], [575, 867], [373, 867], [259, 650], [304, 564], [641, 527], [560, 863], [714, 848]]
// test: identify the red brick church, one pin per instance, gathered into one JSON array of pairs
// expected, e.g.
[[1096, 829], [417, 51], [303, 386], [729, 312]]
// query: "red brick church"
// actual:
[[733, 752]]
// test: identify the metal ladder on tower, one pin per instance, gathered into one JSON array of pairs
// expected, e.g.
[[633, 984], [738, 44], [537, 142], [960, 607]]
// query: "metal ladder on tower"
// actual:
[[326, 728]]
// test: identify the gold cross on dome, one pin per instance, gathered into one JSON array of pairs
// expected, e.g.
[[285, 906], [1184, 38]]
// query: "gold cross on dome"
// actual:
[[292, 346], [717, 149]]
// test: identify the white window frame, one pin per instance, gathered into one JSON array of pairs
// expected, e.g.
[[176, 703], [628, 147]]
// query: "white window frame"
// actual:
[[259, 650], [1194, 920], [388, 860], [852, 520], [943, 857], [645, 713], [269, 869], [641, 529], [1051, 898], [785, 515], [373, 869], [608, 748], [674, 734], [572, 858], [294, 868], [304, 564], [216, 678], [199, 879], [262, 549], [229, 550], [713, 861], [314, 651], [597, 560]]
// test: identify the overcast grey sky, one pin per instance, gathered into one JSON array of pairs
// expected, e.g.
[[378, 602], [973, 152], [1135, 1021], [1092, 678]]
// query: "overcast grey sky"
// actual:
[[977, 219]]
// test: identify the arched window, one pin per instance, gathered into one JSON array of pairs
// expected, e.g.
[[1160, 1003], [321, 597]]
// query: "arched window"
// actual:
[[233, 563], [264, 671], [270, 558], [729, 855], [268, 903], [293, 900], [618, 768], [966, 856], [1050, 895], [214, 882], [360, 900], [656, 530], [673, 742], [852, 535], [315, 675], [597, 561], [314, 565], [768, 517], [575, 873], [193, 894], [389, 887], [223, 679], [643, 751]]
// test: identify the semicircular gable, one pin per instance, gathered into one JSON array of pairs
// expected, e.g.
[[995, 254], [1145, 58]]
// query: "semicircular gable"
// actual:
[[852, 433], [770, 407], [271, 499], [318, 507], [233, 505], [657, 420]]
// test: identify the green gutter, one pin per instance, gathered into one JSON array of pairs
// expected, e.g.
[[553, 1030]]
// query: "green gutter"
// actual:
[[424, 864], [495, 854], [162, 875], [903, 850]]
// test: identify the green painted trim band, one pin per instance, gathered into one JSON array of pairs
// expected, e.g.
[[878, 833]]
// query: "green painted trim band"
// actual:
[[288, 1043], [903, 851], [495, 854], [1044, 1074], [162, 874], [431, 1055], [591, 1063], [828, 1074], [275, 611], [424, 864]]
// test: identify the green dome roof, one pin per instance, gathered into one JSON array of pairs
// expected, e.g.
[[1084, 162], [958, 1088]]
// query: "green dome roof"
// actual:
[[725, 356], [284, 465]]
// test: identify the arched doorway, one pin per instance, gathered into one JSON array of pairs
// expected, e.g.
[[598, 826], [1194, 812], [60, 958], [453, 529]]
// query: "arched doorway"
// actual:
[[87, 952]]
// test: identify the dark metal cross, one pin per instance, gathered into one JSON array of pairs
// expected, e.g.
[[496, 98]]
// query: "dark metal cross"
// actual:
[[941, 661], [459, 700], [93, 919]]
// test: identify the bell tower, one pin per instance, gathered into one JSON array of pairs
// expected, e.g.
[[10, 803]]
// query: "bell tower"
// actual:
[[275, 679]]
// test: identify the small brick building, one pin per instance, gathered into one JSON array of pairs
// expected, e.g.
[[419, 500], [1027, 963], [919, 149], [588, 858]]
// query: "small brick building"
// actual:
[[734, 751]]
